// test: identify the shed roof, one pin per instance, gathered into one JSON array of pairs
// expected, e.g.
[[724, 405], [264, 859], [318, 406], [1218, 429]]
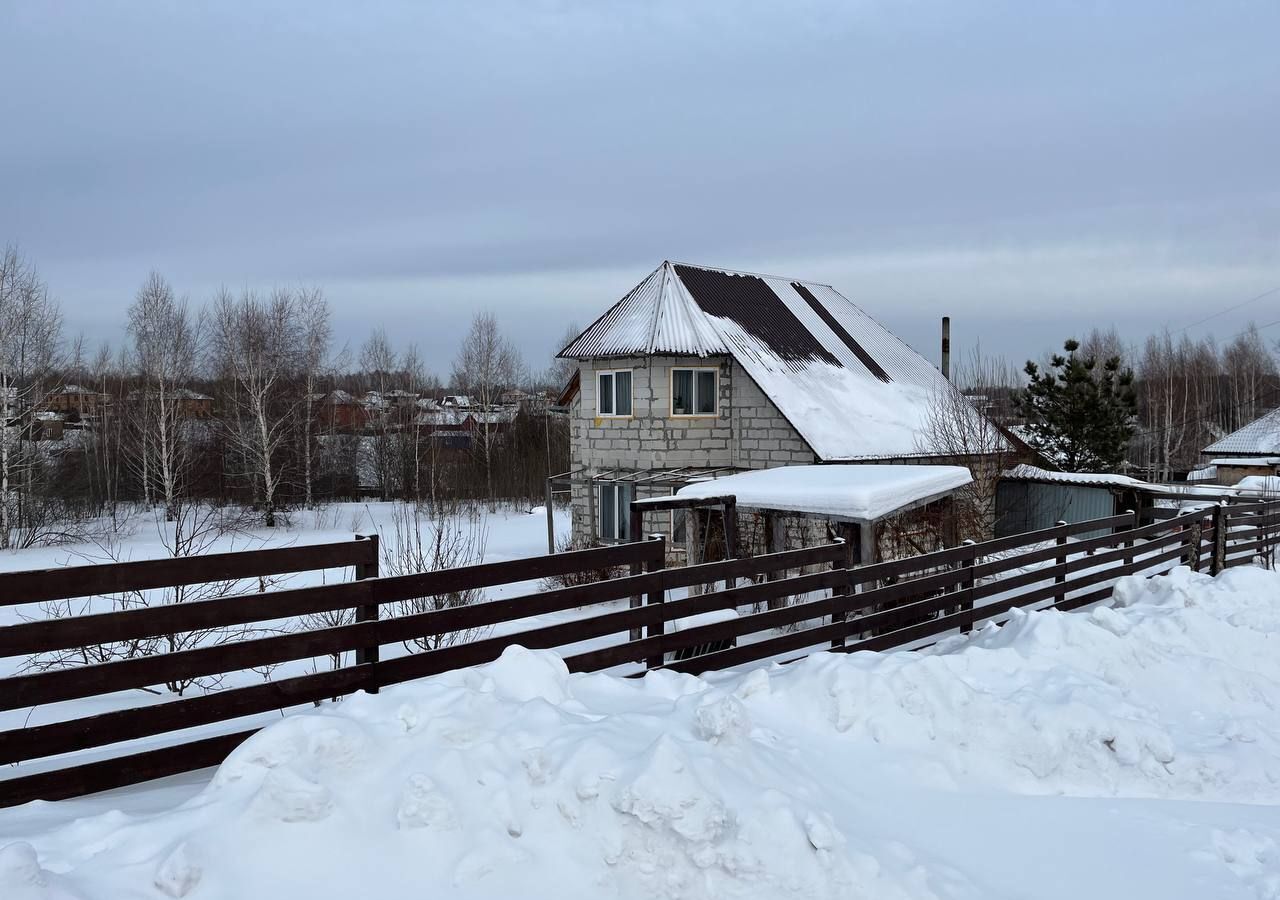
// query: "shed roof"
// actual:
[[1026, 472], [863, 493], [1261, 436], [849, 387]]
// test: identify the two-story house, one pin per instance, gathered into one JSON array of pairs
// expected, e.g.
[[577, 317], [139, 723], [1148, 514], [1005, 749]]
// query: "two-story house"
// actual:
[[698, 372]]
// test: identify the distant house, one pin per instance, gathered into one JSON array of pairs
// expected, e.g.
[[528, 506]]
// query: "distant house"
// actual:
[[1253, 450], [456, 401], [73, 398], [699, 372], [193, 404], [339, 411]]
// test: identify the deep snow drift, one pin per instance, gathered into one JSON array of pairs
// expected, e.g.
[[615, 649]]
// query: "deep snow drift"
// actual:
[[1123, 752]]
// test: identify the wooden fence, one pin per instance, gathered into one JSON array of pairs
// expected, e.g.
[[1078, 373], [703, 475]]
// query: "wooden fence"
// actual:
[[779, 606]]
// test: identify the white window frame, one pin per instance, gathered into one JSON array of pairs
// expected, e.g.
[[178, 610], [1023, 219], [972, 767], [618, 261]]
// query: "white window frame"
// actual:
[[613, 383], [715, 392], [619, 533]]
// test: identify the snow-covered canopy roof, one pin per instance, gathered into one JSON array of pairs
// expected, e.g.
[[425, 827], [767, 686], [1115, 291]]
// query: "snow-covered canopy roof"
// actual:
[[1263, 484], [863, 492], [1026, 472], [1260, 436], [1247, 461], [849, 387]]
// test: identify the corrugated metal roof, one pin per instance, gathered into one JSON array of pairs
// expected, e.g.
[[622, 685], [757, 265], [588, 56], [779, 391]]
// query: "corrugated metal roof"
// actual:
[[1262, 435], [849, 387]]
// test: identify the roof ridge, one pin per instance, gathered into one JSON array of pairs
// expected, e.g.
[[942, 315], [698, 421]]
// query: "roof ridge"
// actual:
[[676, 262]]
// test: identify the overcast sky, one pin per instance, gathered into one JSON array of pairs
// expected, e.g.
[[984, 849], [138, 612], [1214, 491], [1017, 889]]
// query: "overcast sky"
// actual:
[[1032, 169]]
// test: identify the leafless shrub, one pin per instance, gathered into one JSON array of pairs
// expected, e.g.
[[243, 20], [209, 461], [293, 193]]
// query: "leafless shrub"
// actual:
[[429, 538], [193, 530], [587, 576]]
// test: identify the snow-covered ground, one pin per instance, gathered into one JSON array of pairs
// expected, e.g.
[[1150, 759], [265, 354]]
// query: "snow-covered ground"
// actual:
[[1121, 752]]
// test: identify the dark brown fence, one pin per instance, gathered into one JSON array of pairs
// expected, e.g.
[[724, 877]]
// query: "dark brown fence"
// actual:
[[778, 606]]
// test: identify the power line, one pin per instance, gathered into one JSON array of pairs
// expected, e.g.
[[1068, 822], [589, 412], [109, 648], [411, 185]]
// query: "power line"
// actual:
[[1223, 312]]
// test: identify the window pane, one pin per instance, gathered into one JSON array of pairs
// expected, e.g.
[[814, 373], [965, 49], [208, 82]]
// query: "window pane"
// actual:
[[622, 381], [604, 403], [624, 512], [681, 392], [706, 392], [608, 512]]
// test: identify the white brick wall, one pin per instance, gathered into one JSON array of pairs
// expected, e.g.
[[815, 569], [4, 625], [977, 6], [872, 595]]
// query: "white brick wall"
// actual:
[[747, 432]]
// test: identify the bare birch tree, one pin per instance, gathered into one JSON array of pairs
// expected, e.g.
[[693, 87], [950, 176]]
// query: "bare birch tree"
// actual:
[[486, 364], [165, 350], [30, 329], [260, 345]]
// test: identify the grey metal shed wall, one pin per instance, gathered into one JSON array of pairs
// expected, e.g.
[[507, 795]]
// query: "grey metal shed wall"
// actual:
[[1031, 505]]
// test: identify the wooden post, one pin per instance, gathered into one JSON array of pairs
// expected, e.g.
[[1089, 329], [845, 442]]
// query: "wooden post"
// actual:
[[772, 544], [1061, 560], [551, 524], [634, 529], [656, 597], [848, 534], [369, 612], [1219, 559], [1129, 541], [730, 537], [1193, 546], [966, 603]]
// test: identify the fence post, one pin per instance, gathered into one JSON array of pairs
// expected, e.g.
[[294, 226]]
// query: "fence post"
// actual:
[[847, 561], [368, 612], [1218, 561], [1193, 545], [1129, 541], [1061, 560], [656, 597], [635, 527], [966, 605], [730, 516]]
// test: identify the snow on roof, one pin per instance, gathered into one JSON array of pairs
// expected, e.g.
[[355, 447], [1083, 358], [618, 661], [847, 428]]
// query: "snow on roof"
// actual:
[[1204, 473], [852, 492], [1263, 484], [849, 387], [1025, 472], [1247, 461], [1262, 435]]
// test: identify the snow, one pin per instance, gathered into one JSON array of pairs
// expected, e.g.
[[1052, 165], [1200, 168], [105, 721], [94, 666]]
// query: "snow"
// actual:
[[1026, 472], [1204, 473], [1265, 484], [1129, 751], [1262, 435], [863, 492]]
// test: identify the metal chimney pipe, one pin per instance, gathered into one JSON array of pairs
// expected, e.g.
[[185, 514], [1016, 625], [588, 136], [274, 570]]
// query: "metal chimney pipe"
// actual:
[[946, 347]]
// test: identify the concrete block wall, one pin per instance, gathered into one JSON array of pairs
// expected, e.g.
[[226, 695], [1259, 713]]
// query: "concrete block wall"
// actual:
[[748, 431]]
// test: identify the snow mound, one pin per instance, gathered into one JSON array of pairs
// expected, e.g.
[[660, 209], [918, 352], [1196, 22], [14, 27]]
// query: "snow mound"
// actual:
[[807, 780]]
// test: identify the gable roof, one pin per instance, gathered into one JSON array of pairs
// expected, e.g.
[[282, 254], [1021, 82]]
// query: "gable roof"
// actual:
[[849, 386], [1261, 436]]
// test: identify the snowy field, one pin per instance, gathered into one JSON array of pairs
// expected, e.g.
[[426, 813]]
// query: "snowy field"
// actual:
[[1122, 752]]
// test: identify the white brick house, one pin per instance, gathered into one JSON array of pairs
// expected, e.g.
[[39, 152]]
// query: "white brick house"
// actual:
[[698, 372]]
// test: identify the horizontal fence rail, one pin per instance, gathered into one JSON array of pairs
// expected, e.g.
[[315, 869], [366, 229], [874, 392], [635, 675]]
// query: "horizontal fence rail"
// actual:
[[603, 608]]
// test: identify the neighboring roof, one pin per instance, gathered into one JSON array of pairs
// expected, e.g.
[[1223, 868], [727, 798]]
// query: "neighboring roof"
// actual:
[[1204, 473], [1247, 461], [849, 387], [1261, 436], [864, 493], [1025, 472]]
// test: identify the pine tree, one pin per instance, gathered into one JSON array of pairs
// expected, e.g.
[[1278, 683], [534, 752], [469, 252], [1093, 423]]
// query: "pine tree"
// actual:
[[1078, 415]]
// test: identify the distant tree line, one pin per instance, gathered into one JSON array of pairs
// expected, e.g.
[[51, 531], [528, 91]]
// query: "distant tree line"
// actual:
[[231, 401]]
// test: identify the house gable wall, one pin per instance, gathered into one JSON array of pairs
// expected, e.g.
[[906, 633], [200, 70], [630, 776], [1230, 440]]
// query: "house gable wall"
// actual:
[[748, 431]]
